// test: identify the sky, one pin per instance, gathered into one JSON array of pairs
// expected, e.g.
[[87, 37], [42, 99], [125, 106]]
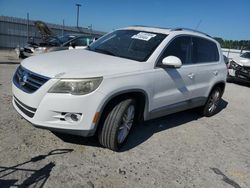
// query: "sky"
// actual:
[[229, 19]]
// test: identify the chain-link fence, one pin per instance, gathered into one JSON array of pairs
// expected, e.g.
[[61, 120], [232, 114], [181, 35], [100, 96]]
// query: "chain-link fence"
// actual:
[[15, 32]]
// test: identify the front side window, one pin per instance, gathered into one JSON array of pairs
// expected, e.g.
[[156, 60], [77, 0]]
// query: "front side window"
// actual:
[[180, 47], [130, 44], [204, 51]]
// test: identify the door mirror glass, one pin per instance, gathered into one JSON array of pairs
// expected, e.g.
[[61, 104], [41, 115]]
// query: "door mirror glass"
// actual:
[[172, 61]]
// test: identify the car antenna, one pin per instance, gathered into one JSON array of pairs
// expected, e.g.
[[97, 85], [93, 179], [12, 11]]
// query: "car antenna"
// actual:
[[198, 25]]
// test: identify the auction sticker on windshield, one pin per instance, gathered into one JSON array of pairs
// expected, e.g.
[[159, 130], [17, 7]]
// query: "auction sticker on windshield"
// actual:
[[143, 36]]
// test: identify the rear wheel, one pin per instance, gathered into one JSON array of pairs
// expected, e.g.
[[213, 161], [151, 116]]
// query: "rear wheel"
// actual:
[[213, 102], [117, 124]]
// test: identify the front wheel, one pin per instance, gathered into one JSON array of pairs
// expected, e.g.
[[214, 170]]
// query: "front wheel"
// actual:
[[117, 124], [213, 102]]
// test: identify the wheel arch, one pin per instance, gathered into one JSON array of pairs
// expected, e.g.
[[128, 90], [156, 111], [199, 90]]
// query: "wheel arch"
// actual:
[[140, 95], [220, 84]]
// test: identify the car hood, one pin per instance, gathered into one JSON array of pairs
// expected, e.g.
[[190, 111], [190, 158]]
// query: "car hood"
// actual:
[[80, 64], [43, 29], [242, 61]]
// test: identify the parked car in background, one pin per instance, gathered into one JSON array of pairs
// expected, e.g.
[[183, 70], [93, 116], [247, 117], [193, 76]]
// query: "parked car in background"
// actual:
[[239, 68], [42, 45], [129, 75], [49, 42], [56, 44]]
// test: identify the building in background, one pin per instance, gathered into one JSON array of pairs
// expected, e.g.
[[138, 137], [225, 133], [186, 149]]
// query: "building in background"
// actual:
[[14, 32]]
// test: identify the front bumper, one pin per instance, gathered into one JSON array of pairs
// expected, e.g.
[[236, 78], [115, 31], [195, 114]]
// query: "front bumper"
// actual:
[[49, 111], [239, 75]]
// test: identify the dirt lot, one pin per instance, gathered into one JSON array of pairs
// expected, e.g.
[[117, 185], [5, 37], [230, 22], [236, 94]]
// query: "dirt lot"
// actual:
[[180, 150]]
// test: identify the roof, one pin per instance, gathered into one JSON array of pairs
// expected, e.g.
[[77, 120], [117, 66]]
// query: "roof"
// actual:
[[150, 29], [166, 31]]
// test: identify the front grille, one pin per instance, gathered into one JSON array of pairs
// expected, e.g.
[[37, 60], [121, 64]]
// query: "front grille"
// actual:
[[247, 68], [242, 74], [28, 81], [27, 110]]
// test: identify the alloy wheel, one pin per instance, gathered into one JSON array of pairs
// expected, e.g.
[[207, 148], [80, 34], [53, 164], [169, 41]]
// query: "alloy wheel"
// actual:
[[126, 124], [214, 101]]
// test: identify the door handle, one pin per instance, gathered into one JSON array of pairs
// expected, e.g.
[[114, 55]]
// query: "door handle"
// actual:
[[215, 73], [191, 75]]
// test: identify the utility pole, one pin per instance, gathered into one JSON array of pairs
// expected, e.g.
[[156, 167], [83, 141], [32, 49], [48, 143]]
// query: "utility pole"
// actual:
[[28, 26], [78, 5]]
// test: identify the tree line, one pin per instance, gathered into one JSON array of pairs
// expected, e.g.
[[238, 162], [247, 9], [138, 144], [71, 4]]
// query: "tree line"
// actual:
[[234, 44]]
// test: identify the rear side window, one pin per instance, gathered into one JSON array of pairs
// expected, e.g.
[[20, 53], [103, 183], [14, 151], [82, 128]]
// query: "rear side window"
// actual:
[[204, 51]]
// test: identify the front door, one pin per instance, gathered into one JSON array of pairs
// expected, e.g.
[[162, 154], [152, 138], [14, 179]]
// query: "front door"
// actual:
[[173, 87]]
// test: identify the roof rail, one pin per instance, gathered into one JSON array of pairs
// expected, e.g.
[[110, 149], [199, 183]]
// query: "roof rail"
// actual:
[[187, 29], [149, 26]]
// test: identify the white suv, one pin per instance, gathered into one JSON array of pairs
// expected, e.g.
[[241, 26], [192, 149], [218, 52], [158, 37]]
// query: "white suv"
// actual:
[[132, 74], [239, 68]]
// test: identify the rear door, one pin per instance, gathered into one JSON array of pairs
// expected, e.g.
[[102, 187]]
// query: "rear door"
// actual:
[[205, 56]]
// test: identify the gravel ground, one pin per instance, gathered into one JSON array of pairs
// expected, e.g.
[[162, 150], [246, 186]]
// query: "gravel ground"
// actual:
[[179, 150], [8, 56]]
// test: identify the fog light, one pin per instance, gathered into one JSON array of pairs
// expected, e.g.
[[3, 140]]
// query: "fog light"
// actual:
[[72, 117]]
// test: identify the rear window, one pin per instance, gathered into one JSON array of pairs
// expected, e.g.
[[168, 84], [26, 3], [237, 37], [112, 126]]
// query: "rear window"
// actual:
[[204, 51]]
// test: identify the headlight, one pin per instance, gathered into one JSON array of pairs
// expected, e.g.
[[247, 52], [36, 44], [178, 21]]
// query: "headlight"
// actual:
[[76, 86], [41, 49], [234, 65]]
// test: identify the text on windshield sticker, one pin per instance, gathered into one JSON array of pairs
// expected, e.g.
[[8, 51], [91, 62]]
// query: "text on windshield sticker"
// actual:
[[143, 36]]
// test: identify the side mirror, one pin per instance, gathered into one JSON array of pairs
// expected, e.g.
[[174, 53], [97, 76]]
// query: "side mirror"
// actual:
[[72, 44], [172, 61]]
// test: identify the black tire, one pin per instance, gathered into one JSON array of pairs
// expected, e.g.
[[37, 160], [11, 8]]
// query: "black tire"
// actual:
[[108, 134], [21, 56], [207, 109]]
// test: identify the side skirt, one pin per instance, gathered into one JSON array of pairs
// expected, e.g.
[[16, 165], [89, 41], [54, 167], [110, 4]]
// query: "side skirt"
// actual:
[[177, 107]]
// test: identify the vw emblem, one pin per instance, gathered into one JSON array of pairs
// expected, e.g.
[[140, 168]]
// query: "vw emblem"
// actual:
[[23, 79]]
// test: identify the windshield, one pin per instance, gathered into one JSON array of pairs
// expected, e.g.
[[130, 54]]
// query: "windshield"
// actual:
[[246, 55], [66, 38], [130, 44], [54, 41], [60, 40], [80, 41]]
